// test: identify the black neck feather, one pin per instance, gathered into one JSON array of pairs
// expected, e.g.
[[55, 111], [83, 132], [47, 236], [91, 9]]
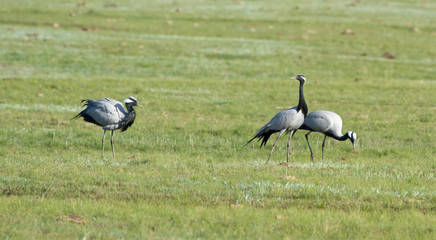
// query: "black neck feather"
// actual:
[[301, 102], [337, 137], [129, 108], [129, 119]]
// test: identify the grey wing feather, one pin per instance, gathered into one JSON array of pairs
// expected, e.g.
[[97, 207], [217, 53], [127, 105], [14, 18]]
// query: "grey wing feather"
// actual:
[[323, 121], [119, 106], [105, 111], [286, 119]]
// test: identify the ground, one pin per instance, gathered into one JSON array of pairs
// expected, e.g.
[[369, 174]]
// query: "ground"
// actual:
[[210, 74]]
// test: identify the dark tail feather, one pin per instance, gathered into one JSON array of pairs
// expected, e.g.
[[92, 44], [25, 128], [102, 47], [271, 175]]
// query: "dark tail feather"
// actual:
[[86, 117], [255, 136], [86, 102], [264, 136], [82, 113], [77, 116]]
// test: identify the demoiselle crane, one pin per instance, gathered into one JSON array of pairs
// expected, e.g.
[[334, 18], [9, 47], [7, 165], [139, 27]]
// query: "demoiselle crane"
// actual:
[[287, 120], [328, 123], [110, 115]]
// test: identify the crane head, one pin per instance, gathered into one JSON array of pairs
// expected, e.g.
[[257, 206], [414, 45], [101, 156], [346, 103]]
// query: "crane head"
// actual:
[[300, 78], [353, 137], [133, 101]]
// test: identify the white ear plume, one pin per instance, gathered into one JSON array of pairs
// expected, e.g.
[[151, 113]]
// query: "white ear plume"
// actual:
[[352, 135], [130, 100]]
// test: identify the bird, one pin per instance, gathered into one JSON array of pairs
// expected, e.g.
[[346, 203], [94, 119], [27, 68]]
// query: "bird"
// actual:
[[287, 120], [110, 115], [328, 123]]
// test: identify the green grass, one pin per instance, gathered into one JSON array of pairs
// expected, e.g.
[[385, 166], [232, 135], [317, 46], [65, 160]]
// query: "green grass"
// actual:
[[209, 76]]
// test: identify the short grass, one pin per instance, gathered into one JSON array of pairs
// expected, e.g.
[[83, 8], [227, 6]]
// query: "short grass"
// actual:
[[209, 74]]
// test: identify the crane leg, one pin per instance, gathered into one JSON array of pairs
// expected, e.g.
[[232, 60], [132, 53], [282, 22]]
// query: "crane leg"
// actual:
[[288, 145], [307, 139], [112, 143], [323, 144], [274, 145], [102, 144]]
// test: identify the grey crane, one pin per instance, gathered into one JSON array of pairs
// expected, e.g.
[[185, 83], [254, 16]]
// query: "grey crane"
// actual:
[[328, 123], [110, 115], [287, 120]]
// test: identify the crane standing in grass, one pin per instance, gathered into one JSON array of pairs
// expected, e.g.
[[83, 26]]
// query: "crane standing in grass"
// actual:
[[328, 123], [287, 120], [110, 115]]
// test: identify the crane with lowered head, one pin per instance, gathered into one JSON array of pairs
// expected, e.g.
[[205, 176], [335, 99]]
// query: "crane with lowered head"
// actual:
[[328, 123]]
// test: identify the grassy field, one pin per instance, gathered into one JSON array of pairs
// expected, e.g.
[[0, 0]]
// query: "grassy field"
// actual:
[[209, 74]]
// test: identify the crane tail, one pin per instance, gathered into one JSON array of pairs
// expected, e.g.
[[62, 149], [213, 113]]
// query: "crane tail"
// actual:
[[262, 135], [82, 113], [76, 117], [86, 117], [249, 141]]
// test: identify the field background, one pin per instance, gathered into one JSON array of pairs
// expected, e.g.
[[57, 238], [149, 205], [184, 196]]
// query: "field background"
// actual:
[[209, 74]]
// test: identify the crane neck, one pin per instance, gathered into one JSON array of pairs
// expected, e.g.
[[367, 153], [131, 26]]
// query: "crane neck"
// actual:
[[130, 108], [128, 120], [302, 102], [338, 137]]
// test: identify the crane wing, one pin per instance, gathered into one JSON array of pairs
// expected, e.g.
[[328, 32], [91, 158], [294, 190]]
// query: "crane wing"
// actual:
[[288, 119], [103, 112], [322, 121], [118, 106]]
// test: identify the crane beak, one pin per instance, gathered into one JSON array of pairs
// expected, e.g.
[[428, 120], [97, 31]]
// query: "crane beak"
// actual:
[[140, 106], [293, 78]]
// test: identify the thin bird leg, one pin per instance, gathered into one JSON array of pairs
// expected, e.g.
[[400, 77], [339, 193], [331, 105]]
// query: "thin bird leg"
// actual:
[[323, 144], [274, 145], [307, 139], [102, 144], [289, 140], [112, 143]]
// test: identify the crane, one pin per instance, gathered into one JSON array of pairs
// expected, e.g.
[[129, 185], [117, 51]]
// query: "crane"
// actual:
[[328, 123], [110, 115], [287, 120]]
